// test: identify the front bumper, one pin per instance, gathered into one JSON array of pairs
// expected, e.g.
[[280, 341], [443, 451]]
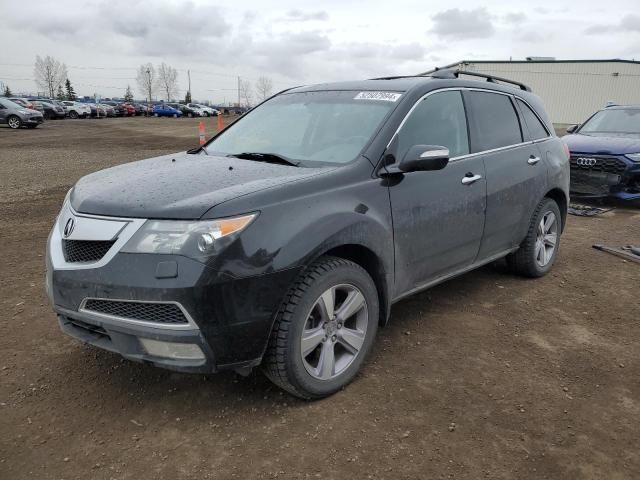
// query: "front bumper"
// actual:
[[603, 176], [228, 318], [126, 339], [34, 120]]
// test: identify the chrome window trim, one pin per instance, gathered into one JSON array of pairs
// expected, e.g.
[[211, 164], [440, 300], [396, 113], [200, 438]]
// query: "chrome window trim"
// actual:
[[474, 89], [190, 325], [129, 228]]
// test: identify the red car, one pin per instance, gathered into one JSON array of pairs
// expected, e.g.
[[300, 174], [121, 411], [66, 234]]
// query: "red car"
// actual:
[[130, 109]]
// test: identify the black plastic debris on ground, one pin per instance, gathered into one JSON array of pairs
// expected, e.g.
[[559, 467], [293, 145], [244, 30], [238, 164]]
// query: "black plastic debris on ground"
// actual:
[[586, 210]]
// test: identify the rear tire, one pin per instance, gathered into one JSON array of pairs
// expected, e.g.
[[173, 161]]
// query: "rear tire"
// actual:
[[14, 122], [315, 350], [539, 250], [206, 114]]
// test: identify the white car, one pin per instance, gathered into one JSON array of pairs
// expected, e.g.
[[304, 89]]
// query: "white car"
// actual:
[[204, 110], [76, 109]]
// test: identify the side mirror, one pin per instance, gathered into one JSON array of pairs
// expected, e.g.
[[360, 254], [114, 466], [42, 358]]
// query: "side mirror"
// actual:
[[423, 158], [572, 128]]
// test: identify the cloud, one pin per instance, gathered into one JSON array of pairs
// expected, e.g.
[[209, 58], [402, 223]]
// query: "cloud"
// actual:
[[462, 24], [515, 18], [295, 15], [628, 23]]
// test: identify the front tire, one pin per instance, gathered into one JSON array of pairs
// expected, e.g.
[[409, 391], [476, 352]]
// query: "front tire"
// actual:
[[14, 122], [73, 115], [539, 250], [324, 329]]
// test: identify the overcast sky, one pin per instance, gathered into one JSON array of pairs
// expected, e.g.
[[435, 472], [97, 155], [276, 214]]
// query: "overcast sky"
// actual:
[[297, 42]]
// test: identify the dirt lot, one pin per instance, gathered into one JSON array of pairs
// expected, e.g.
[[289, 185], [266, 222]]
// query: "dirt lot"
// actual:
[[487, 376]]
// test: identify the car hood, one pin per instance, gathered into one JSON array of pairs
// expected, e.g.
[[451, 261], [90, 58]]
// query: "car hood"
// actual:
[[603, 144], [178, 186]]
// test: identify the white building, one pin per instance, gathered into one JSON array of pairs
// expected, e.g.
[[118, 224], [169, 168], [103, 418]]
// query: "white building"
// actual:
[[571, 89]]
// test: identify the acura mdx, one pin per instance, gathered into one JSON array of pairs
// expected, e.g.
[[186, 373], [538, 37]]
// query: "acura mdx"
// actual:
[[284, 241]]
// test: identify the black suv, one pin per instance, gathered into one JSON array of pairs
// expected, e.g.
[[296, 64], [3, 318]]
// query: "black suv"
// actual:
[[284, 241]]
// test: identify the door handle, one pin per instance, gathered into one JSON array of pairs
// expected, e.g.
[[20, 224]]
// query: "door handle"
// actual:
[[470, 178], [533, 160]]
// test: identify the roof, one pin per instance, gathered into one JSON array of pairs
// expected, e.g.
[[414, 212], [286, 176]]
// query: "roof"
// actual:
[[398, 84], [612, 60]]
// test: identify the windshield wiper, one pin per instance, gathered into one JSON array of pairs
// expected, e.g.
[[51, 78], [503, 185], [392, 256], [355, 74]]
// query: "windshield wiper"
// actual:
[[266, 157]]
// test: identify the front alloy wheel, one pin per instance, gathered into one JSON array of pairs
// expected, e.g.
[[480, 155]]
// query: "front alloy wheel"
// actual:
[[14, 122], [323, 330], [334, 332]]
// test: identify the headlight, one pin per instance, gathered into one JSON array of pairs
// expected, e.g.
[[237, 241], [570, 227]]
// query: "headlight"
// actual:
[[198, 240], [634, 157]]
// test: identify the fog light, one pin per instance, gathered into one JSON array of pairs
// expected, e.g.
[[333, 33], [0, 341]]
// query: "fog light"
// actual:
[[177, 351]]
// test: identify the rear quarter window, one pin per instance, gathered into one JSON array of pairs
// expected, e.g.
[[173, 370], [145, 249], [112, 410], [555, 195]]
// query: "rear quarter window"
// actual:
[[535, 130], [494, 121]]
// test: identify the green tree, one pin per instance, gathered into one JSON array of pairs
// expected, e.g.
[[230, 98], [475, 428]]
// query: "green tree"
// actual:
[[128, 95], [71, 94], [7, 91], [60, 93], [187, 97]]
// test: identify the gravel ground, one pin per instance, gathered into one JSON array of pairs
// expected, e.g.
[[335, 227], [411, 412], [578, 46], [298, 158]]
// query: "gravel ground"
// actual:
[[486, 376]]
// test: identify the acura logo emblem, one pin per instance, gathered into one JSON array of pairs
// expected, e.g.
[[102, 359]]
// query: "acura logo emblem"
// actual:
[[68, 228], [586, 162]]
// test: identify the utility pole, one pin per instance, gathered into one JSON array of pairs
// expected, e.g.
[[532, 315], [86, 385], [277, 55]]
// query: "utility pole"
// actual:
[[239, 90], [189, 76], [149, 85]]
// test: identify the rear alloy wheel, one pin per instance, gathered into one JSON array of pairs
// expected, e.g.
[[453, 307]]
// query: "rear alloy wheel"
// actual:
[[175, 115], [156, 115], [324, 329], [206, 114], [538, 251], [73, 114], [14, 121]]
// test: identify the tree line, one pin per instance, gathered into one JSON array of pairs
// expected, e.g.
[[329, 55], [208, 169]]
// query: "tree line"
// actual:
[[51, 76]]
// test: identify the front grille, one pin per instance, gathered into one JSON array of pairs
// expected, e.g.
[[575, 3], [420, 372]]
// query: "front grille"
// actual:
[[607, 165], [166, 313], [85, 250]]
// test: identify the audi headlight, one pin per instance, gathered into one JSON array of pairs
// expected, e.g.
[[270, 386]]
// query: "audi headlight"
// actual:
[[194, 239], [634, 157]]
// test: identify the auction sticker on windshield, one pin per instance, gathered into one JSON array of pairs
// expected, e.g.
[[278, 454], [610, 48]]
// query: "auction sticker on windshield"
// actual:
[[384, 96]]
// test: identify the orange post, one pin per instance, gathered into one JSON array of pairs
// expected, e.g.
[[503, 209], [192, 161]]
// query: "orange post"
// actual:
[[220, 124], [201, 129]]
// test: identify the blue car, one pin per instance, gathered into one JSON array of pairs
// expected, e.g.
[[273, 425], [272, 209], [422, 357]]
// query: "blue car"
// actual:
[[605, 154], [163, 110]]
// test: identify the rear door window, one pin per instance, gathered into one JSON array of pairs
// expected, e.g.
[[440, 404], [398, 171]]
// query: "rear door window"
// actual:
[[494, 120], [438, 119], [535, 129]]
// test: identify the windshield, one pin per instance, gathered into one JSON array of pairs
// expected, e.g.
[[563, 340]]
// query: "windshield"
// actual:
[[311, 127], [9, 104], [614, 121]]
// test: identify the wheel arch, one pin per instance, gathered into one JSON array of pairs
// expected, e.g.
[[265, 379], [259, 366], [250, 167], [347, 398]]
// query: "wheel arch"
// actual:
[[372, 264], [560, 198]]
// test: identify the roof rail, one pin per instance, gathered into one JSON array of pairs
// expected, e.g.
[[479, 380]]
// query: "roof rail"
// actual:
[[456, 72]]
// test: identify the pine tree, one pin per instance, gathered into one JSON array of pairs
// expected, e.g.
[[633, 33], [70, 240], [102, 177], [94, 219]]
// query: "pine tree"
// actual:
[[60, 94], [71, 94], [7, 91], [187, 97], [128, 95]]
